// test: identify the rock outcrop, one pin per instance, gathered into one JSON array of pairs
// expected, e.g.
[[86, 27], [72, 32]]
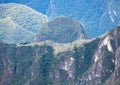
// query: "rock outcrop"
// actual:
[[62, 30], [93, 62]]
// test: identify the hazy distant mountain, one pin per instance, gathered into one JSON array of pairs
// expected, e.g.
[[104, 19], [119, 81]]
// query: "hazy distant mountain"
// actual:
[[97, 16], [83, 62], [10, 32], [19, 23], [61, 29], [39, 5]]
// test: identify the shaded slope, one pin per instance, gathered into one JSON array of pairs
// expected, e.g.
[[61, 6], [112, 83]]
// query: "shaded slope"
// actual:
[[62, 30]]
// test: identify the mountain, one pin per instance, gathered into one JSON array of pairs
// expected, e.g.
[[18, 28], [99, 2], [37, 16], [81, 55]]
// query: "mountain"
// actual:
[[98, 16], [83, 62], [61, 29], [38, 5], [13, 33], [19, 23]]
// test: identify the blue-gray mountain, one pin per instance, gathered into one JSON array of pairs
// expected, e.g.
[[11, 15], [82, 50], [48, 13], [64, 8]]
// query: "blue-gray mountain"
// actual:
[[39, 5], [19, 23], [97, 16], [62, 29]]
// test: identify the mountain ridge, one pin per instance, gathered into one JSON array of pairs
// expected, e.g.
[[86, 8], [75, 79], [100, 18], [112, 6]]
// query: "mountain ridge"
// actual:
[[96, 16], [61, 29], [98, 58], [23, 19]]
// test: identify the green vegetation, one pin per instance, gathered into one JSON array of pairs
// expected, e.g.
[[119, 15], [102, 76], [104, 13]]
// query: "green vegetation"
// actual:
[[19, 23], [21, 61], [45, 64], [78, 54], [108, 65], [83, 57], [62, 30], [90, 49], [36, 64]]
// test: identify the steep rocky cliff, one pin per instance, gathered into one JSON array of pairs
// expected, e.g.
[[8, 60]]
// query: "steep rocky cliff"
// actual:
[[83, 62]]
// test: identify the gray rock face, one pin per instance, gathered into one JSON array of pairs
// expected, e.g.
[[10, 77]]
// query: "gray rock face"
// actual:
[[104, 70], [19, 23], [95, 62], [62, 30]]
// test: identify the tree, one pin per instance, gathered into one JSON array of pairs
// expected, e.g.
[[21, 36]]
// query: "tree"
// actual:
[[45, 63]]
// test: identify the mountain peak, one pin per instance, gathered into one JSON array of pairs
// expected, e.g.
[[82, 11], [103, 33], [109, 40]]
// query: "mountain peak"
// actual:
[[61, 29]]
